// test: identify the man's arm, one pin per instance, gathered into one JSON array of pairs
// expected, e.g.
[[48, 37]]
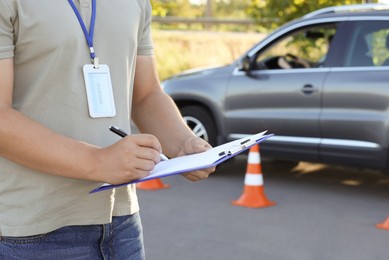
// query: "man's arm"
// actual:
[[28, 143], [154, 112]]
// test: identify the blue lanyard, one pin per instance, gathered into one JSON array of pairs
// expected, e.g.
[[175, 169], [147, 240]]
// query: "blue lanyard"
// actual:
[[88, 35]]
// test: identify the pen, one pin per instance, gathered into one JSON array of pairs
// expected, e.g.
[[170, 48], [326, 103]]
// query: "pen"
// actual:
[[121, 133], [164, 157], [118, 131]]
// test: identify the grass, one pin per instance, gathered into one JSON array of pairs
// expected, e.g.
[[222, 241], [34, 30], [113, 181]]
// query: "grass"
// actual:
[[177, 51]]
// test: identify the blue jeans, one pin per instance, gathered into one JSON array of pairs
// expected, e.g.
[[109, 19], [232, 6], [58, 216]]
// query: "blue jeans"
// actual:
[[122, 239]]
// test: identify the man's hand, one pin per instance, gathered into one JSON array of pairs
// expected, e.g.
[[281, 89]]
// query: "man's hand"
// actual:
[[196, 145], [131, 158]]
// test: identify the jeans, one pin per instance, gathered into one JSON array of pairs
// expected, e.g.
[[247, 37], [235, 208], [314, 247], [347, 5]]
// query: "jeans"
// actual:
[[122, 239]]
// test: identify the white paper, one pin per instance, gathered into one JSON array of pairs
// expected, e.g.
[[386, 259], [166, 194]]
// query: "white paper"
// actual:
[[209, 158]]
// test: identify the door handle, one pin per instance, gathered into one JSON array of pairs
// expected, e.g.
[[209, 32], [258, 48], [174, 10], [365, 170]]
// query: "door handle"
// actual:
[[308, 89]]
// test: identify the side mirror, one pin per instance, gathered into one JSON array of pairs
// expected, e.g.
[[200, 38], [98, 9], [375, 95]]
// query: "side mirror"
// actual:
[[246, 64], [249, 66]]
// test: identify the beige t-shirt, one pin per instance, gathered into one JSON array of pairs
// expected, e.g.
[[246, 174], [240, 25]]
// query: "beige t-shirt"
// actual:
[[49, 49]]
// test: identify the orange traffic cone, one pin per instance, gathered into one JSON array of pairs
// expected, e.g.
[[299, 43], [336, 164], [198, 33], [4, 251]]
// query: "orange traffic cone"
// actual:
[[155, 184], [253, 194], [384, 225]]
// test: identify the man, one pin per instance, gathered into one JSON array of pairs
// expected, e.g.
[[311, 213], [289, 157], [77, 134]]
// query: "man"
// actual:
[[68, 71]]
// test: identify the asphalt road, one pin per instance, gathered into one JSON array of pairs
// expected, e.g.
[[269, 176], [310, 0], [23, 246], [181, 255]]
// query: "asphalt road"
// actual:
[[321, 212]]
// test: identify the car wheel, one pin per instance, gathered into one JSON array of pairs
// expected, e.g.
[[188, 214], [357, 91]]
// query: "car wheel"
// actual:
[[200, 122]]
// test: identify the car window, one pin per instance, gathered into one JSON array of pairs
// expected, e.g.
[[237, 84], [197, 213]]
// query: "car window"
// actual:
[[305, 48], [369, 44]]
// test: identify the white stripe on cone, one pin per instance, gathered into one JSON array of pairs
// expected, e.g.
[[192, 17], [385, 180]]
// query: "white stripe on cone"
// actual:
[[253, 179], [254, 158]]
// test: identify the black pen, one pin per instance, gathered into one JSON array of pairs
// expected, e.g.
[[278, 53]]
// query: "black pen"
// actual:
[[120, 132]]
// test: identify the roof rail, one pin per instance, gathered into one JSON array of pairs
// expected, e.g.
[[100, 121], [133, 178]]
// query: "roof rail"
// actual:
[[347, 8]]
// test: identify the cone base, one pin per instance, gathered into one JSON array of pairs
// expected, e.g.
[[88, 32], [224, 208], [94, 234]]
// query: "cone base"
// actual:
[[383, 226], [253, 197], [156, 184]]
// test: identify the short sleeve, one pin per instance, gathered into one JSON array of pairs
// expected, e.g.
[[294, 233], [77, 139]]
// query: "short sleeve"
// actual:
[[145, 44], [6, 30]]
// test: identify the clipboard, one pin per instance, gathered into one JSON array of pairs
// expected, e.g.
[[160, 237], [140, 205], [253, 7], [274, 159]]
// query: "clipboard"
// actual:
[[198, 161]]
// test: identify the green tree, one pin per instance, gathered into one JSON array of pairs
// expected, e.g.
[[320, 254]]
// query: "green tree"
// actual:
[[281, 11], [217, 8], [181, 8], [160, 8], [230, 8]]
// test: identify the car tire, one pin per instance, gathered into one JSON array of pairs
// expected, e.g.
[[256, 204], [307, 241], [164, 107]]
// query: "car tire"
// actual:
[[200, 122]]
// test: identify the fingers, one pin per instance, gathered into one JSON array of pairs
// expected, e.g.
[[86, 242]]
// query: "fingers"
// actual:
[[131, 158], [194, 145], [199, 175], [143, 147], [141, 165]]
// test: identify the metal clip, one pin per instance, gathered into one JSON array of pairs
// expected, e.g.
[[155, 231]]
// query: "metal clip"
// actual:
[[95, 63]]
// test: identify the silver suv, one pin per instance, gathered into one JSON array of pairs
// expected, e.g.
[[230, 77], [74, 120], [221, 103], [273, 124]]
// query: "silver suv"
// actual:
[[319, 83]]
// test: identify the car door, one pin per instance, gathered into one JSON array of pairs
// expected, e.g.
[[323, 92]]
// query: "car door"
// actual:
[[285, 101], [354, 123]]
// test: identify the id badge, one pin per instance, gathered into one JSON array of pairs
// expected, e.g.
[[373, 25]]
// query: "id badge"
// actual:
[[99, 91]]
